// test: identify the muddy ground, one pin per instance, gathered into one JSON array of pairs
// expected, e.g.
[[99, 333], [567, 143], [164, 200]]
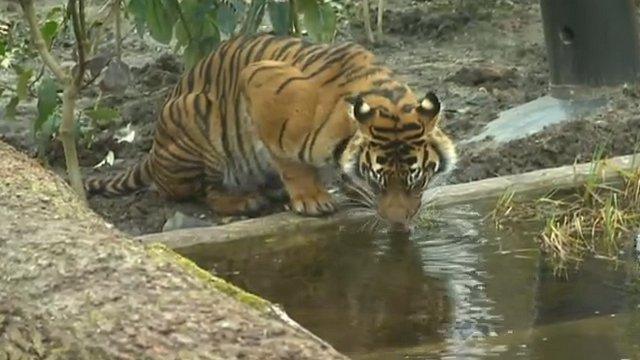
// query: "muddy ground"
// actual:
[[480, 57]]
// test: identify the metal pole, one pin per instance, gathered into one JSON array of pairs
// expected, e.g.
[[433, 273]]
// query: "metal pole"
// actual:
[[591, 43]]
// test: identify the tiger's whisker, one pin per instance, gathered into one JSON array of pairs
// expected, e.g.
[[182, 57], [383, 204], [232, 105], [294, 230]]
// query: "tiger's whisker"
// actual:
[[363, 193]]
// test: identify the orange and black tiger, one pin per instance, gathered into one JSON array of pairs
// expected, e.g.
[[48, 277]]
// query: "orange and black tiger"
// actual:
[[265, 111]]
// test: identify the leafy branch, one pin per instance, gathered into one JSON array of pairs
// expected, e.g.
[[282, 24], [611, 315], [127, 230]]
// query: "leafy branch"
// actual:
[[67, 80], [197, 26]]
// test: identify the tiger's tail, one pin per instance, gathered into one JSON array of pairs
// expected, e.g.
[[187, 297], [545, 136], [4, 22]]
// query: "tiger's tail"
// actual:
[[131, 180]]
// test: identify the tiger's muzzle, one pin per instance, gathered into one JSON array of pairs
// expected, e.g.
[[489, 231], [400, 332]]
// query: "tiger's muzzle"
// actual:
[[398, 207]]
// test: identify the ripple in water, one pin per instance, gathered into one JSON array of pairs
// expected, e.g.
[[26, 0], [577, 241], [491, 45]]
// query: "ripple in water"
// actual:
[[450, 252]]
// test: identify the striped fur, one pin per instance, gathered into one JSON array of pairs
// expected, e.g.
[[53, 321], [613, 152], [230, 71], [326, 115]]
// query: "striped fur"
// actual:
[[265, 111]]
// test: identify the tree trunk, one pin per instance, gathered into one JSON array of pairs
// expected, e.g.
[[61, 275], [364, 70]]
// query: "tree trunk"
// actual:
[[591, 43], [73, 288]]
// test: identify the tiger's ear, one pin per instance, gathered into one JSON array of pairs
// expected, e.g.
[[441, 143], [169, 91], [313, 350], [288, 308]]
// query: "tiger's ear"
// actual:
[[429, 109], [359, 110]]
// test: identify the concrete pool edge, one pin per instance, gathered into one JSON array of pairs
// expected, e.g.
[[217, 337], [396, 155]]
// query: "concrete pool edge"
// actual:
[[563, 177]]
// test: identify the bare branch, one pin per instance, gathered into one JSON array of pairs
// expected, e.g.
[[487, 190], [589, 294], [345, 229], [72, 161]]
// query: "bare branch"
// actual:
[[116, 9], [293, 17], [367, 20], [83, 28], [380, 15], [184, 21], [77, 17]]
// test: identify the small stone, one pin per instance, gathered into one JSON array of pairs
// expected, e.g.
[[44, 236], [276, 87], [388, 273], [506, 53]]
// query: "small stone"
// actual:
[[182, 221], [115, 77]]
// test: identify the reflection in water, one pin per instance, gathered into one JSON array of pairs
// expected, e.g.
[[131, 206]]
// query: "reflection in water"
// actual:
[[454, 290], [449, 252], [358, 292]]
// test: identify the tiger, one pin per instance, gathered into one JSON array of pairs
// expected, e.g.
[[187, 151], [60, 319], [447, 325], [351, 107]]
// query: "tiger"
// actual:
[[265, 112]]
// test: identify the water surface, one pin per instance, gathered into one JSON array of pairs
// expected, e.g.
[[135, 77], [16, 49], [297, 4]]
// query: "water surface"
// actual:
[[455, 289]]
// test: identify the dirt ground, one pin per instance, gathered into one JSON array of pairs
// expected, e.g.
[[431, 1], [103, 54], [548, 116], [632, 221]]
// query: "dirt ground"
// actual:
[[480, 57]]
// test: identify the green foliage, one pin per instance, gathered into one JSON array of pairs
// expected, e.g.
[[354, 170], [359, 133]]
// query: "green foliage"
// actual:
[[48, 104], [21, 90], [279, 14], [10, 108], [197, 30], [227, 16], [319, 19], [160, 20], [49, 31], [102, 116], [15, 51], [138, 8], [254, 16], [49, 119], [197, 26], [54, 21]]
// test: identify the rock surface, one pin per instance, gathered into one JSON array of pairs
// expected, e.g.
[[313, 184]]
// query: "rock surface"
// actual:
[[71, 287]]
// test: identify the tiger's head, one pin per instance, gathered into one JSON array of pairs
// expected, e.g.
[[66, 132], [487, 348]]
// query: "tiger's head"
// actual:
[[396, 151]]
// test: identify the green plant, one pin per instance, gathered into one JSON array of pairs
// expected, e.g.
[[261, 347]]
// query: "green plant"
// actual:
[[593, 179], [16, 52], [589, 221], [55, 114], [196, 27], [504, 206]]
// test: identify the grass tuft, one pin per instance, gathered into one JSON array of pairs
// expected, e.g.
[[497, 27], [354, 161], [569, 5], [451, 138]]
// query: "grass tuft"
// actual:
[[594, 220]]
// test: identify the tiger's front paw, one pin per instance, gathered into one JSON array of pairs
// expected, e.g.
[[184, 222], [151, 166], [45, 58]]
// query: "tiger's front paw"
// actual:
[[316, 205]]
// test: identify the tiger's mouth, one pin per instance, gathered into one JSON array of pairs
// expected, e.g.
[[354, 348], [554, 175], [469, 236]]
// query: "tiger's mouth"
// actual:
[[393, 207], [398, 207]]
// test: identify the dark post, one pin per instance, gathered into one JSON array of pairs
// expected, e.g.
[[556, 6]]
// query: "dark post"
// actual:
[[591, 43]]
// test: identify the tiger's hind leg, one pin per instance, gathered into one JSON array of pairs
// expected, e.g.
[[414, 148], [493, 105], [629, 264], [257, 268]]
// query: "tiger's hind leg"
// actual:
[[225, 201], [232, 204]]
